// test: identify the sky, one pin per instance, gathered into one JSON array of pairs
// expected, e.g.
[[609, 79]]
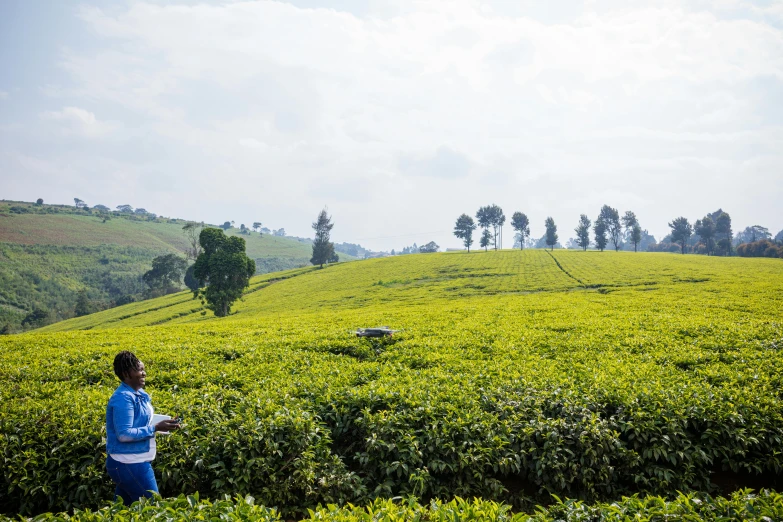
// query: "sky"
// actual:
[[396, 115]]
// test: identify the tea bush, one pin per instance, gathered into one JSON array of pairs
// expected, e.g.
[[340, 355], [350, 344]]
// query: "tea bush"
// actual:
[[586, 376]]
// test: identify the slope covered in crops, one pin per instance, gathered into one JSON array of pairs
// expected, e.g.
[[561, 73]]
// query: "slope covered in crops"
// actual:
[[49, 253], [515, 374]]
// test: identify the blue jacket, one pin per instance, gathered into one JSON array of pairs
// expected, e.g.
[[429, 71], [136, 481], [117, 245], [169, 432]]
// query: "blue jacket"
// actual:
[[128, 428]]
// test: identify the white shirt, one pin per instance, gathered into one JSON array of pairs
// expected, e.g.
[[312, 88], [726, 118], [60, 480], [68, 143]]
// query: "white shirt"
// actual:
[[136, 458]]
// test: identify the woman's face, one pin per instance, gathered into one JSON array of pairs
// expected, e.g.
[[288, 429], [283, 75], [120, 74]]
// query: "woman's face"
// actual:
[[136, 378]]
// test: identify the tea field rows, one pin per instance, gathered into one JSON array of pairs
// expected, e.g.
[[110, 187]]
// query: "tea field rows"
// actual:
[[516, 375]]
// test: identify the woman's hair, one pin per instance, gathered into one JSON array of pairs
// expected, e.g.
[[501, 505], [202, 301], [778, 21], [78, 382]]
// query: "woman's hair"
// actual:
[[124, 363]]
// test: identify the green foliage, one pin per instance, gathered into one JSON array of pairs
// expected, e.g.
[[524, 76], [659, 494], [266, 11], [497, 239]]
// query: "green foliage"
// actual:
[[429, 248], [551, 232], [681, 231], [742, 505], [486, 239], [83, 305], [610, 218], [464, 228], [323, 249], [521, 224], [514, 376], [583, 232], [599, 229], [166, 274], [223, 268], [705, 229]]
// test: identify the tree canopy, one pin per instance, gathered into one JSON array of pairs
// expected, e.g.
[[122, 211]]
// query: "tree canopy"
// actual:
[[224, 268], [611, 220], [165, 274], [464, 228], [551, 232], [521, 224], [583, 232], [681, 231], [429, 248], [323, 248]]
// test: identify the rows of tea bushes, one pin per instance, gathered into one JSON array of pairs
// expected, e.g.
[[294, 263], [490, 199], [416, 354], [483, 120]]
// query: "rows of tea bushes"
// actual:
[[592, 395], [765, 506]]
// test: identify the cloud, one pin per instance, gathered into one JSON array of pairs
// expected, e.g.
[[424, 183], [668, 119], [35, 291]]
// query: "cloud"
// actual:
[[526, 105], [81, 122]]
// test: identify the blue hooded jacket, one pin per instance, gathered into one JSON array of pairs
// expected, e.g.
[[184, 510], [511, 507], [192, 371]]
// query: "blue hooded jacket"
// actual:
[[128, 428]]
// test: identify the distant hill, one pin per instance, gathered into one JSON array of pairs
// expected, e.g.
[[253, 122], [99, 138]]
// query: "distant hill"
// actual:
[[49, 253]]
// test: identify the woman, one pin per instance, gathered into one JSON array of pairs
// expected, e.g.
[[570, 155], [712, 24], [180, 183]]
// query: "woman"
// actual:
[[130, 435]]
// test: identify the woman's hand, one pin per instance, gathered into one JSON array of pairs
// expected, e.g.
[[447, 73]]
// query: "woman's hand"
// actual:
[[167, 425]]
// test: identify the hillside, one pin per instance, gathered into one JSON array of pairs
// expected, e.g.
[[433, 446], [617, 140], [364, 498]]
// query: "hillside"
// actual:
[[514, 375], [49, 253]]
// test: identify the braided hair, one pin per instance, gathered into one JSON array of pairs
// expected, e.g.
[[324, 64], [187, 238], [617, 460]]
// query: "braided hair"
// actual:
[[124, 363]]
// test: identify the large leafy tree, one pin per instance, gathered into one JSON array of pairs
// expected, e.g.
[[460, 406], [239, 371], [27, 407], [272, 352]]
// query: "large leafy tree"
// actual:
[[491, 216], [583, 232], [599, 229], [165, 275], [705, 229], [224, 268], [723, 227], [611, 219], [484, 219], [521, 224], [551, 232], [681, 231], [323, 248], [464, 228], [633, 232]]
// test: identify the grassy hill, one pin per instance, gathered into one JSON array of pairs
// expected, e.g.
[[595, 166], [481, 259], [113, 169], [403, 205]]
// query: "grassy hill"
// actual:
[[51, 252], [514, 375]]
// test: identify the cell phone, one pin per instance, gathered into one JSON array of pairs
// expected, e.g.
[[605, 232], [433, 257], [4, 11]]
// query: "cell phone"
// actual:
[[178, 420]]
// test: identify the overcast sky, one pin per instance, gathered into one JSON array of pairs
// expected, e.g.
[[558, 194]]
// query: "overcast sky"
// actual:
[[398, 115]]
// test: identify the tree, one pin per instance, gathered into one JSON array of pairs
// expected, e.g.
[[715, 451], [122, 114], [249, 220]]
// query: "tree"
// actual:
[[583, 232], [224, 268], [635, 235], [125, 209], [753, 234], [243, 229], [323, 249], [226, 225], [141, 211], [280, 232], [101, 208], [192, 231], [429, 248], [79, 203], [165, 274], [486, 239], [723, 227], [599, 229], [83, 304], [38, 317], [611, 219], [551, 232], [681, 231], [464, 228], [257, 226], [705, 229], [633, 232], [484, 220], [521, 224], [190, 280], [779, 238], [39, 201]]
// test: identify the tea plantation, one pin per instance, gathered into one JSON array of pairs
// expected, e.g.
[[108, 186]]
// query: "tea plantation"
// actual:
[[613, 379]]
